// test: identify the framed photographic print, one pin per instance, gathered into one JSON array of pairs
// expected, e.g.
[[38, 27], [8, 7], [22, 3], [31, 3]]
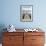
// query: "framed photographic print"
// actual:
[[26, 13]]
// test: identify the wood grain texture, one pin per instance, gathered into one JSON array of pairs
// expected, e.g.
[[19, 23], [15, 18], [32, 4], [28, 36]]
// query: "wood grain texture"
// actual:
[[23, 39], [34, 39], [13, 39]]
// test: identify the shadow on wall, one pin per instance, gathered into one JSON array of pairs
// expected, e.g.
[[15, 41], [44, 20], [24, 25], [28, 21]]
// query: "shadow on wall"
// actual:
[[2, 26]]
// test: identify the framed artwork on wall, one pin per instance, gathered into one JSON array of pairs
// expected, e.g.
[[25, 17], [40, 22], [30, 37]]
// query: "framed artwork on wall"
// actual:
[[26, 13]]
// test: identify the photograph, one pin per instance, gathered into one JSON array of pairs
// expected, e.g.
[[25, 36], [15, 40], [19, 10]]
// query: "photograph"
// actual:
[[26, 13]]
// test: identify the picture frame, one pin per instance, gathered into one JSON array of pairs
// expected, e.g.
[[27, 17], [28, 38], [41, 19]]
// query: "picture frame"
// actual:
[[26, 13]]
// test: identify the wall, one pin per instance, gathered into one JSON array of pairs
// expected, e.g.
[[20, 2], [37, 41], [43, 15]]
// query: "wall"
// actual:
[[10, 13]]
